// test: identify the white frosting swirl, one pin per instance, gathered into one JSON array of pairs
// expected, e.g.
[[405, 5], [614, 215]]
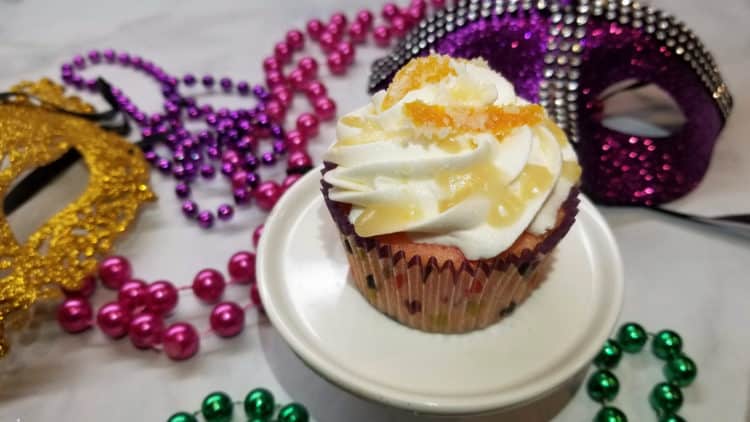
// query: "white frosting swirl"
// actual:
[[431, 181]]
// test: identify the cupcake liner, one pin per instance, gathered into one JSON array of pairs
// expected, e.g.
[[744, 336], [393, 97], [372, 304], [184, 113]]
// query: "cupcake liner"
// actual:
[[433, 299], [453, 297]]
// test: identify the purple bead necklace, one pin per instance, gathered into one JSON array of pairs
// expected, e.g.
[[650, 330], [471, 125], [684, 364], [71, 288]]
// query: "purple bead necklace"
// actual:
[[141, 309], [230, 139]]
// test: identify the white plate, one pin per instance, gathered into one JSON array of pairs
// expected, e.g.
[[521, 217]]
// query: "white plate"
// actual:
[[309, 297]]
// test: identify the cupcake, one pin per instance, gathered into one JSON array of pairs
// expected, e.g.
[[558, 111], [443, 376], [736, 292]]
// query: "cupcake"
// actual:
[[450, 194]]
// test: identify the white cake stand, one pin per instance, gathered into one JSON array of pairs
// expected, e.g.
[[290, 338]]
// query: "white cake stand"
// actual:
[[306, 290]]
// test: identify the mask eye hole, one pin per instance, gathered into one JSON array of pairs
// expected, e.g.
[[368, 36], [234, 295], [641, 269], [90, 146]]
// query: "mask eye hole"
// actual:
[[46, 203], [640, 109]]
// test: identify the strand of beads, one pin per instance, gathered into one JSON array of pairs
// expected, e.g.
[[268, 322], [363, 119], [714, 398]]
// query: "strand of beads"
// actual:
[[666, 397], [230, 139], [259, 405], [141, 309]]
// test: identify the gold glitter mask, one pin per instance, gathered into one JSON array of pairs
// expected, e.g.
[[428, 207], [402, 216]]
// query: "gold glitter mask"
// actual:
[[67, 246]]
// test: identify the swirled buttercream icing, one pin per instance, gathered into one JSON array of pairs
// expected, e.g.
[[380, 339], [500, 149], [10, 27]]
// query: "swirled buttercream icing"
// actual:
[[449, 155]]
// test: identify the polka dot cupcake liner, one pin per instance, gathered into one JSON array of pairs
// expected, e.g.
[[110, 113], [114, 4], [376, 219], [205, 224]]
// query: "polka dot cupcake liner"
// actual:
[[429, 298]]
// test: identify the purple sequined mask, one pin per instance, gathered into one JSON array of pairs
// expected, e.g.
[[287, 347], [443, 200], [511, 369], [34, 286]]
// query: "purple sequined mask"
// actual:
[[564, 55]]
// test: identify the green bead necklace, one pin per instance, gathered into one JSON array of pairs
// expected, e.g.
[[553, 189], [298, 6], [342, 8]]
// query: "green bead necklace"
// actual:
[[666, 397], [259, 405], [602, 386]]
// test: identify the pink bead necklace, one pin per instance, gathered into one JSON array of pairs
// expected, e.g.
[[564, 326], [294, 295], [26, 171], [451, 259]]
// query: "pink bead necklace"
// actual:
[[140, 310]]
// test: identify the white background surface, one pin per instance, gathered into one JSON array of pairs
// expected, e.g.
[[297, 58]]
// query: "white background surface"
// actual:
[[677, 275]]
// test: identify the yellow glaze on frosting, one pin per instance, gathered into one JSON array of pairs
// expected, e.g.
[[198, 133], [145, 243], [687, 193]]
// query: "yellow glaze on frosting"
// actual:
[[450, 155]]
